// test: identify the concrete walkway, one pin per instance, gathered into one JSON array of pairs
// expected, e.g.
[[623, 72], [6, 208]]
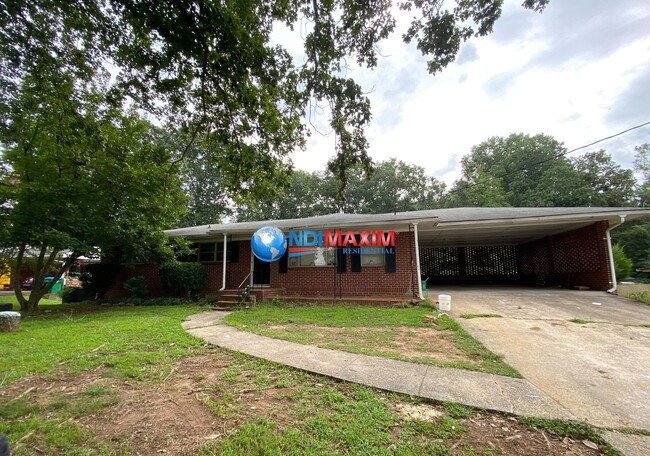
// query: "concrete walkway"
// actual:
[[476, 389]]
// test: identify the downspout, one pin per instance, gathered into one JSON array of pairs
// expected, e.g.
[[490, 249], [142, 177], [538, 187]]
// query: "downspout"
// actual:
[[611, 254], [223, 268], [417, 261]]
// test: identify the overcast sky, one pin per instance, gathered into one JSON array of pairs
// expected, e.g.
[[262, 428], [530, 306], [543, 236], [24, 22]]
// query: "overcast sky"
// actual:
[[579, 71]]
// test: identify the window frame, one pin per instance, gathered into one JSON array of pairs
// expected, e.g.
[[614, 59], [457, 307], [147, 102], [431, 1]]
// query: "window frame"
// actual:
[[365, 265], [217, 255], [332, 251]]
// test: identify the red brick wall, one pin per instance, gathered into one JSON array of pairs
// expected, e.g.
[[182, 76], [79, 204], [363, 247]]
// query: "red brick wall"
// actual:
[[324, 281], [577, 257], [372, 280], [235, 273]]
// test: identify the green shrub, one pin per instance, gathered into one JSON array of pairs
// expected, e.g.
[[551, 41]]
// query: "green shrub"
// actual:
[[182, 279], [622, 264], [97, 279], [67, 295], [136, 288]]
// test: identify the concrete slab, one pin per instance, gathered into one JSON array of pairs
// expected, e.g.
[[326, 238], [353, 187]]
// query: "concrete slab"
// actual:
[[203, 319], [629, 445], [492, 392], [594, 370], [546, 304], [386, 374]]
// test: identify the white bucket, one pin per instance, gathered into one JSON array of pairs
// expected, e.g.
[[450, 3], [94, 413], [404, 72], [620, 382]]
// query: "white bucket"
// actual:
[[444, 303]]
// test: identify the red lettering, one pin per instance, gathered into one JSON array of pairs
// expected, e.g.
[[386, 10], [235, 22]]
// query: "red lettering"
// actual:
[[386, 239], [350, 239], [363, 235], [332, 240]]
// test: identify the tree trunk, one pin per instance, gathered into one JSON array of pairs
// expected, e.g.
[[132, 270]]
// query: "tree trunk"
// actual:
[[29, 306]]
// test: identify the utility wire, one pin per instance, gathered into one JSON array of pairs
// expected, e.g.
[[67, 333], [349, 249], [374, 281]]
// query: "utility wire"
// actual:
[[475, 184]]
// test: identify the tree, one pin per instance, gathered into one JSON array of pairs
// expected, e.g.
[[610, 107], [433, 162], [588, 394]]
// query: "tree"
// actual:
[[81, 177], [212, 69], [634, 239], [308, 195], [611, 185], [393, 186], [530, 169], [480, 190], [642, 165], [204, 188]]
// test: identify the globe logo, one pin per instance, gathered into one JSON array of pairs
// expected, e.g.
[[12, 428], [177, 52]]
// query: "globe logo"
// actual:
[[269, 243]]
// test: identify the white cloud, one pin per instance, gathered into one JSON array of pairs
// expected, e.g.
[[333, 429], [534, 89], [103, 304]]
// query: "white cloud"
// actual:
[[577, 72]]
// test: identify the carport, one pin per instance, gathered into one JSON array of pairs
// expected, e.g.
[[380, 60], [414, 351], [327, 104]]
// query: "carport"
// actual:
[[560, 247]]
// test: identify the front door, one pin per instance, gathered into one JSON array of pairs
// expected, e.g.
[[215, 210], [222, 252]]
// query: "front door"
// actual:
[[261, 272]]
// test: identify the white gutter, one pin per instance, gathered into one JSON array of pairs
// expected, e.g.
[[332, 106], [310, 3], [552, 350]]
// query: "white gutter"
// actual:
[[223, 267], [417, 261], [611, 254]]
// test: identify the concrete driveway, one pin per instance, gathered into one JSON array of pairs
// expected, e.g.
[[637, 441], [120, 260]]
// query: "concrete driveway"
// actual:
[[600, 370]]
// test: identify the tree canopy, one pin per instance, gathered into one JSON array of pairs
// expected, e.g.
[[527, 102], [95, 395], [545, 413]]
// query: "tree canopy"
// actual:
[[210, 68], [80, 176], [393, 186], [523, 170]]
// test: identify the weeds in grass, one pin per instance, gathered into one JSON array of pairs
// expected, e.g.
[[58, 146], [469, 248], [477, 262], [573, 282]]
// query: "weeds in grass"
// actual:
[[573, 429], [640, 296], [631, 431]]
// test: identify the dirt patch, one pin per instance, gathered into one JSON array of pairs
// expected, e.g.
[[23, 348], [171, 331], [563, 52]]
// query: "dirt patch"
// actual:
[[407, 341], [498, 433], [206, 397], [162, 417], [505, 435]]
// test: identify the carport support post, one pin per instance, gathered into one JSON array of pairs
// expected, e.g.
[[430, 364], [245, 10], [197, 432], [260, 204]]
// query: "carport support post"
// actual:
[[223, 265], [417, 260]]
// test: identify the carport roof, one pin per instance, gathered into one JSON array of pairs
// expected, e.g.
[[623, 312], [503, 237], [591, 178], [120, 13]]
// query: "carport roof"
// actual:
[[444, 227], [516, 225]]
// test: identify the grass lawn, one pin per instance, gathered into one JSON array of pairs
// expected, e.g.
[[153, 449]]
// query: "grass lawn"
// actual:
[[12, 300], [396, 333], [70, 338], [127, 380]]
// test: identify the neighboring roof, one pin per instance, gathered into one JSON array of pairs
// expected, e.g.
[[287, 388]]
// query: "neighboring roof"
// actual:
[[454, 226]]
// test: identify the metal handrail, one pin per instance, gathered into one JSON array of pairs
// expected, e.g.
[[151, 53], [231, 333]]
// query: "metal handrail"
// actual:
[[244, 281]]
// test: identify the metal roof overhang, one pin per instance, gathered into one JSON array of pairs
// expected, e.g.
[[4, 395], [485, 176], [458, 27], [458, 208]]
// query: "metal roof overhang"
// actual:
[[512, 231], [380, 225]]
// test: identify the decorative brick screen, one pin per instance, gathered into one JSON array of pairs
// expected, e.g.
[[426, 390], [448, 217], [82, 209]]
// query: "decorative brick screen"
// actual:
[[575, 258], [469, 265]]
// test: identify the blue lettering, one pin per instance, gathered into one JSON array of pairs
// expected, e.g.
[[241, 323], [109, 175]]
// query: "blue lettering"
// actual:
[[306, 242], [295, 239]]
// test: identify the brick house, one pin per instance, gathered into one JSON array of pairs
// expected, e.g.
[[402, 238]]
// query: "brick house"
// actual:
[[562, 247]]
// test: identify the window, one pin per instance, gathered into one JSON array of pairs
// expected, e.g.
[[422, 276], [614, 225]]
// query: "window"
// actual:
[[213, 251], [320, 258], [372, 259]]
